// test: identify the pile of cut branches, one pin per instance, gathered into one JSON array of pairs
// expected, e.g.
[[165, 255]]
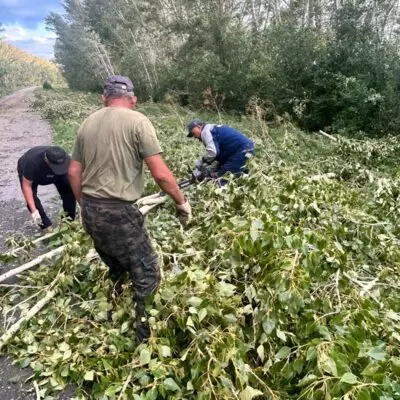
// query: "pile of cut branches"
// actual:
[[284, 286]]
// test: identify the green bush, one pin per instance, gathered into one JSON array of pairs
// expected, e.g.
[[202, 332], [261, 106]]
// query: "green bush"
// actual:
[[47, 85]]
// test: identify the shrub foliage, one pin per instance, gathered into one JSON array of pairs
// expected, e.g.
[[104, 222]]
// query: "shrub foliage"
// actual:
[[285, 285], [329, 65]]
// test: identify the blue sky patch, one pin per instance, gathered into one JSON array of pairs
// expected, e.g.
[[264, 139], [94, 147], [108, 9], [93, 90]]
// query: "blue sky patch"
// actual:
[[23, 21]]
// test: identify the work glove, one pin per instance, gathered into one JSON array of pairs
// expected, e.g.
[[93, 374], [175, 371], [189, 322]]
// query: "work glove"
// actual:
[[184, 212], [37, 219]]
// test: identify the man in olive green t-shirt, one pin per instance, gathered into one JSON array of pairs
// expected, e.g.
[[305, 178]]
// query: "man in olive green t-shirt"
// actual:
[[106, 175]]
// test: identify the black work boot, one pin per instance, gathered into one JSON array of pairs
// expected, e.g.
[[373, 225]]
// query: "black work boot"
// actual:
[[143, 331]]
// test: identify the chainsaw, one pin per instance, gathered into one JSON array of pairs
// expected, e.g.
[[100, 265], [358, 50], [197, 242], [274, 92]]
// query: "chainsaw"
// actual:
[[200, 174]]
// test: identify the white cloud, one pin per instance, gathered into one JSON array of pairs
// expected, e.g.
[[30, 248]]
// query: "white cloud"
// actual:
[[36, 41]]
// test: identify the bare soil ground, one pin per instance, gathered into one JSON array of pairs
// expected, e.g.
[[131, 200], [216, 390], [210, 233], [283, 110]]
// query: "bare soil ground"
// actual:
[[20, 129]]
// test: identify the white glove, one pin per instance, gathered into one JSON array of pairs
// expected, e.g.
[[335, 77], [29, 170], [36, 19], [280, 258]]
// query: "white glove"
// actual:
[[184, 212], [37, 219]]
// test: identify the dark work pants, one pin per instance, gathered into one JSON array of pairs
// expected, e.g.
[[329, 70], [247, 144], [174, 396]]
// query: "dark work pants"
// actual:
[[119, 235], [236, 164], [67, 196]]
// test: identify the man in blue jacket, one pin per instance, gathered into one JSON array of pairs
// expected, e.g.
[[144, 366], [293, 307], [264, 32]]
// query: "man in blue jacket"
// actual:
[[226, 145]]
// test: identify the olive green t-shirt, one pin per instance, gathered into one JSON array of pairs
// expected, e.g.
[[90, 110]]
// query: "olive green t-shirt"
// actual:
[[111, 145]]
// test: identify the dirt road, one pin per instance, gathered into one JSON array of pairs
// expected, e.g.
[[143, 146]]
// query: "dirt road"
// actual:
[[20, 129]]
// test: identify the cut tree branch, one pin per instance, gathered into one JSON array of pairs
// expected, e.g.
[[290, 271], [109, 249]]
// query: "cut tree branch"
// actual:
[[32, 263]]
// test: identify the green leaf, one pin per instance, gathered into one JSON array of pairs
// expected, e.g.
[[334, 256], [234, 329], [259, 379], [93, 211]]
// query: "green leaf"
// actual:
[[165, 351], [25, 362], [202, 314], [171, 385], [328, 364], [124, 327], [349, 378], [393, 315], [231, 318], [195, 301], [307, 380], [112, 390], [377, 353], [281, 335], [311, 353], [255, 228], [283, 352], [226, 289], [89, 375], [249, 393], [145, 357], [260, 352], [268, 326]]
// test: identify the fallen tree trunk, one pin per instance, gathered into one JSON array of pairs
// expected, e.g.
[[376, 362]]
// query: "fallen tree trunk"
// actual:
[[9, 334], [327, 135], [32, 263]]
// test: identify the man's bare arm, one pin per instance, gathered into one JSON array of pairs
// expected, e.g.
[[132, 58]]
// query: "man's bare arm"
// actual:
[[75, 178], [28, 194], [164, 178]]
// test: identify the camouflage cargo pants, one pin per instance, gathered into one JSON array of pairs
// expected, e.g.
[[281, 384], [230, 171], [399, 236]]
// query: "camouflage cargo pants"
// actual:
[[120, 237]]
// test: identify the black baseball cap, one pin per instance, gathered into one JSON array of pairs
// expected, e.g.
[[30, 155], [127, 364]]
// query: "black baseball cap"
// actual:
[[57, 159], [118, 83]]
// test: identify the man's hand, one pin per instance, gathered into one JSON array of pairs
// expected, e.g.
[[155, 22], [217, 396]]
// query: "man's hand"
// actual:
[[214, 175], [184, 212], [37, 219], [199, 163], [198, 175]]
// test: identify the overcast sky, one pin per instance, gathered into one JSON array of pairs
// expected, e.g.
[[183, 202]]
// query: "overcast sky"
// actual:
[[23, 21]]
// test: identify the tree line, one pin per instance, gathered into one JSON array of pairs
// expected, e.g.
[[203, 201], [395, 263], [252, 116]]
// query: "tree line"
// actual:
[[326, 64], [19, 69]]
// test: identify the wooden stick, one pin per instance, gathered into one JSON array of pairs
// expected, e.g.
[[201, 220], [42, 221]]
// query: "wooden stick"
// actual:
[[9, 334], [328, 136], [36, 241], [145, 209], [32, 263], [36, 386], [128, 379]]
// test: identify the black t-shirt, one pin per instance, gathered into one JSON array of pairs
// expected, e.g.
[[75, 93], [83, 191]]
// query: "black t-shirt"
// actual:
[[33, 167]]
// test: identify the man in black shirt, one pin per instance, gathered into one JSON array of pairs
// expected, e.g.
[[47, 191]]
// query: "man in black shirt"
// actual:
[[45, 165]]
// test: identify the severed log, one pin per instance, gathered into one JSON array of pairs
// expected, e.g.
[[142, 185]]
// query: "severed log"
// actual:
[[145, 209], [327, 135], [9, 334], [36, 241], [32, 263]]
